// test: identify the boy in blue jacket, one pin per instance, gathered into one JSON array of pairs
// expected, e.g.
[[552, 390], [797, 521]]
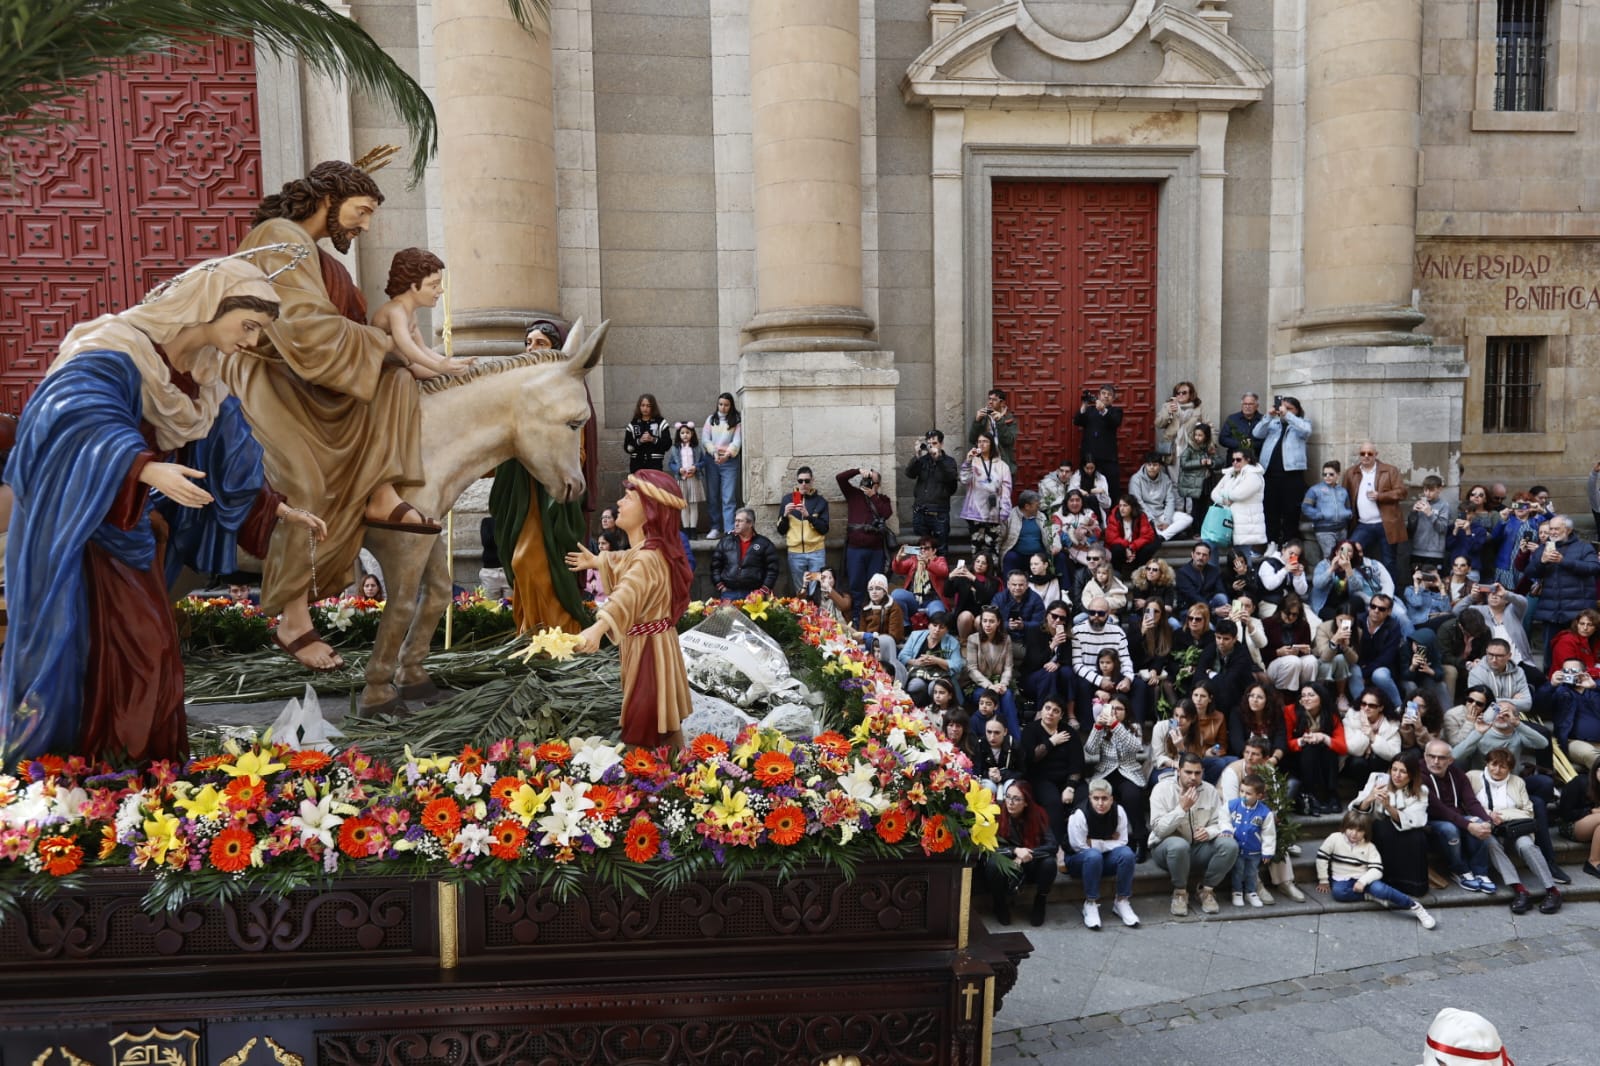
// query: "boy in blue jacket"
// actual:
[[1327, 507], [1256, 832]]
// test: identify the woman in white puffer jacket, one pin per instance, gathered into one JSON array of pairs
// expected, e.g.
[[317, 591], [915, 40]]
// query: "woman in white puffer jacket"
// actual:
[[1242, 489]]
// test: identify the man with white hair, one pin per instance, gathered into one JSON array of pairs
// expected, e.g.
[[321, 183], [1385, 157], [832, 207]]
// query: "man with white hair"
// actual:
[[1462, 1038], [1566, 566]]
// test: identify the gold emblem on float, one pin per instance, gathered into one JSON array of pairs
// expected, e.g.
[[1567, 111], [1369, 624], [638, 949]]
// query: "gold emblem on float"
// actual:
[[156, 1048]]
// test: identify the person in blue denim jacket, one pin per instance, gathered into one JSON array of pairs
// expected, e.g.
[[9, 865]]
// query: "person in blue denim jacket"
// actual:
[[1282, 436], [1327, 507]]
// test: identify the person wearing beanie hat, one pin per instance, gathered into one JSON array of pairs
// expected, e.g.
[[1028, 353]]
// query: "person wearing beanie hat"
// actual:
[[1462, 1038]]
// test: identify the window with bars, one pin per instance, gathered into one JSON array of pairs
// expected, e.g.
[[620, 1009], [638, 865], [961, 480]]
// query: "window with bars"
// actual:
[[1511, 372], [1521, 49]]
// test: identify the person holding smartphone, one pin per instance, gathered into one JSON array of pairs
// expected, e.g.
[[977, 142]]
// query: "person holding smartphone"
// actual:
[[803, 523]]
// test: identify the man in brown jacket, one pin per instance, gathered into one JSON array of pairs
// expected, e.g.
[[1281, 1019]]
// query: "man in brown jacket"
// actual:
[[1376, 492]]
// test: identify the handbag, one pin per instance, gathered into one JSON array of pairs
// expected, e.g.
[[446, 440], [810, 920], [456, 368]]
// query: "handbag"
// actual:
[[1217, 529], [1515, 829]]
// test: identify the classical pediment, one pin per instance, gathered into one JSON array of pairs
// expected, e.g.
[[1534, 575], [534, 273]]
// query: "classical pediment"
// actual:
[[1203, 68]]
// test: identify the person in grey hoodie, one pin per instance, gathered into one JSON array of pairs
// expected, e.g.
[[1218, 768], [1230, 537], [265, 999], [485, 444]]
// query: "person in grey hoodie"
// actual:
[[1428, 525], [1157, 494]]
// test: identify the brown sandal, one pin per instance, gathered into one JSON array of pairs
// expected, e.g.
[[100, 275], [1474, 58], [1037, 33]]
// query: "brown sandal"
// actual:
[[426, 527], [303, 641]]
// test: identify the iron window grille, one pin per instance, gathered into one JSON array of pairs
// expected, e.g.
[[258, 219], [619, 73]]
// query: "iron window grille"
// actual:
[[1510, 384], [1521, 53]]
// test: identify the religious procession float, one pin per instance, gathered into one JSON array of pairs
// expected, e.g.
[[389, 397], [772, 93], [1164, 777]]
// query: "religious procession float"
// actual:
[[516, 874]]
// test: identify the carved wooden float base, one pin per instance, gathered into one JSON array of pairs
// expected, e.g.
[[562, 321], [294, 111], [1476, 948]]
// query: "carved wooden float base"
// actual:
[[377, 972]]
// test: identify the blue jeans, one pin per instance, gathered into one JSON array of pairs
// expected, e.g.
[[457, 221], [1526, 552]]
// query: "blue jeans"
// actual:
[[1215, 764], [1246, 872], [1380, 679], [1347, 892], [932, 522], [909, 605], [1464, 852], [1088, 866], [860, 564], [722, 494], [1373, 540], [801, 563]]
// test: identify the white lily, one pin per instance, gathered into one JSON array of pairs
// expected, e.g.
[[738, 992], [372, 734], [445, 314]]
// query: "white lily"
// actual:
[[566, 812], [860, 785], [595, 758], [473, 839], [316, 820]]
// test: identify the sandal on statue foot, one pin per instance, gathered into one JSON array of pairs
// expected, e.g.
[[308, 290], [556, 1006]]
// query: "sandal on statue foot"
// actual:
[[303, 641], [426, 526]]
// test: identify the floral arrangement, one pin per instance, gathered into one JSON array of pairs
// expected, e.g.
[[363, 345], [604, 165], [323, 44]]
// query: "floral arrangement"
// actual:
[[263, 816], [269, 817], [218, 624]]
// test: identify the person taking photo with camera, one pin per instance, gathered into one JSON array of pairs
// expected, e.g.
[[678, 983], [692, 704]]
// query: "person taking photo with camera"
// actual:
[[935, 475], [868, 536]]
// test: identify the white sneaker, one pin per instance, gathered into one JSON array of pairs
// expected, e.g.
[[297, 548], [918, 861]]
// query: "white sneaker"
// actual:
[[1238, 899], [1261, 890], [1252, 898], [1420, 913], [1091, 914], [1124, 909], [1292, 890]]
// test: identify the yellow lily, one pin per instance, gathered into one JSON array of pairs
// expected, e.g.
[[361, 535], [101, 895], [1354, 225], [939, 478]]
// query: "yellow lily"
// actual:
[[756, 608], [202, 804], [252, 764], [527, 802], [161, 834]]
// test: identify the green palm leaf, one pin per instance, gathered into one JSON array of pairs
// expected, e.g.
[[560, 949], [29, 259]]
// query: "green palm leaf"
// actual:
[[47, 48]]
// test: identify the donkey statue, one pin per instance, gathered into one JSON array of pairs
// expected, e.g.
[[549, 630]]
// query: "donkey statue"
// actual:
[[531, 407]]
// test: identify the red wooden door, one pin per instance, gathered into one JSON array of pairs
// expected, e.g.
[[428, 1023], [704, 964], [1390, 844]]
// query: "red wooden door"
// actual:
[[1074, 285], [157, 167]]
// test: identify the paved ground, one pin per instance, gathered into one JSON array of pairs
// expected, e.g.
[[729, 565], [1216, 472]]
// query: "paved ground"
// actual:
[[1346, 987]]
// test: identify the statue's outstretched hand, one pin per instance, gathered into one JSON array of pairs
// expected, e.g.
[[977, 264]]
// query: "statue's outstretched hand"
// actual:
[[582, 559], [589, 641], [172, 481]]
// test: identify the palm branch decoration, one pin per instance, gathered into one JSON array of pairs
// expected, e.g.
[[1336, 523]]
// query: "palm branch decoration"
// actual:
[[49, 47]]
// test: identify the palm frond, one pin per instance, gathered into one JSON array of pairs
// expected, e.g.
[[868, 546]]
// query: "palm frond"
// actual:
[[47, 47]]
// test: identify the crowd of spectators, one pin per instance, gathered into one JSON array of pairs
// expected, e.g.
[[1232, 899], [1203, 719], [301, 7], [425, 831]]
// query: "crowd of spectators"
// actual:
[[1106, 693]]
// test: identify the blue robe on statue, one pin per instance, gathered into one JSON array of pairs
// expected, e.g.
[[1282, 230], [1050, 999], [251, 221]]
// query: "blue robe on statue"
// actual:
[[90, 663]]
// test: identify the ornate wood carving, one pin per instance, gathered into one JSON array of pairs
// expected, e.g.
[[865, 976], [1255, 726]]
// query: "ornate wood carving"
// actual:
[[157, 167], [1075, 308]]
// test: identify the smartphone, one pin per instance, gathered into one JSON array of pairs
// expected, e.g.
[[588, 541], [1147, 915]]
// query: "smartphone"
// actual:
[[1412, 714], [1383, 779], [797, 497], [1490, 713]]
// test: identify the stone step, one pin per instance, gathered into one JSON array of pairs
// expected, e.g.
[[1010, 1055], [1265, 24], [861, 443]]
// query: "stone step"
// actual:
[[1153, 888]]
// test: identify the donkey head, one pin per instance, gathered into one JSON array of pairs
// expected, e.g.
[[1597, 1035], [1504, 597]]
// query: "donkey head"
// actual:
[[553, 409]]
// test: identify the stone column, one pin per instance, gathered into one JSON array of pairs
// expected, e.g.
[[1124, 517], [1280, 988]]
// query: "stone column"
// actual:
[[805, 90], [1363, 99], [497, 173]]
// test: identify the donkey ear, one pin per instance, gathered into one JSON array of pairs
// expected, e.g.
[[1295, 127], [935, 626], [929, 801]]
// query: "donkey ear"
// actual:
[[587, 355]]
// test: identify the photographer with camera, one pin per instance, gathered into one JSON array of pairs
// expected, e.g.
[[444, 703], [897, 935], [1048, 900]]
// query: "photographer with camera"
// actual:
[[1100, 419], [935, 475], [997, 421], [1577, 713], [869, 539]]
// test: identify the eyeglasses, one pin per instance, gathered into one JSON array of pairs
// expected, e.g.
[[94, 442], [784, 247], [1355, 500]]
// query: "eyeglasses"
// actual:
[[1437, 758], [1480, 704], [1014, 799], [1369, 703], [1238, 460], [1379, 608], [1369, 455], [1197, 618], [1098, 614], [802, 481], [1058, 618]]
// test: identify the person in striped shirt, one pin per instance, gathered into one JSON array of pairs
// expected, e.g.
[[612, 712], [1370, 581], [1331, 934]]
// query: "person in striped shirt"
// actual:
[[1349, 866]]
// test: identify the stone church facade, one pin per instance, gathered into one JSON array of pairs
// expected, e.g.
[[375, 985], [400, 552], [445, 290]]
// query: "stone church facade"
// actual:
[[858, 215]]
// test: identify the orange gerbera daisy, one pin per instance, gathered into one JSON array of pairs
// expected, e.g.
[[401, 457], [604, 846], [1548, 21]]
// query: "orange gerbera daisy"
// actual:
[[642, 841], [508, 836], [230, 851], [893, 824], [442, 817], [640, 763], [360, 837], [309, 762], [773, 768], [833, 743], [60, 856], [506, 787], [245, 793], [470, 760], [706, 746], [786, 824], [936, 835], [607, 801], [209, 762], [556, 751]]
